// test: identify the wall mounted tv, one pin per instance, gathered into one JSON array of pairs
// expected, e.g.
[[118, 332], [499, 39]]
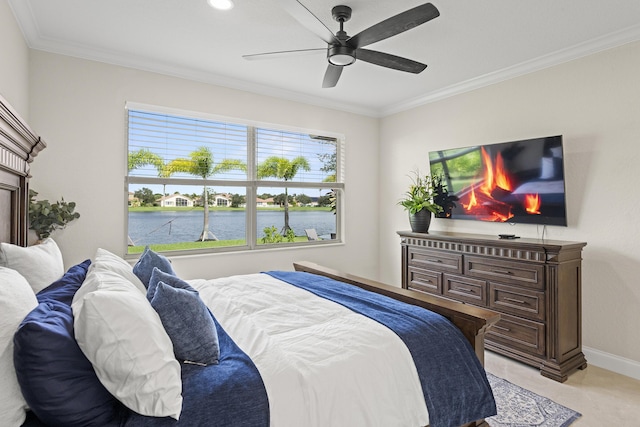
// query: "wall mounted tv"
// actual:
[[514, 182]]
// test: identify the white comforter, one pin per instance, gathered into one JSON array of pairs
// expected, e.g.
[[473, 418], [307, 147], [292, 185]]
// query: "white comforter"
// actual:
[[321, 363]]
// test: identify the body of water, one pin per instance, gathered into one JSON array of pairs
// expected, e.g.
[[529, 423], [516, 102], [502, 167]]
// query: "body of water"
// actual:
[[146, 228]]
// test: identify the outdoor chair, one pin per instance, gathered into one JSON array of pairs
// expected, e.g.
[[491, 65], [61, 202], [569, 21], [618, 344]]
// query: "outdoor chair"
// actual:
[[311, 234]]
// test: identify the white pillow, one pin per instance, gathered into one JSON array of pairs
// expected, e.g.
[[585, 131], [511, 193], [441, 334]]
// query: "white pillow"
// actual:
[[16, 301], [122, 336], [40, 264], [107, 261]]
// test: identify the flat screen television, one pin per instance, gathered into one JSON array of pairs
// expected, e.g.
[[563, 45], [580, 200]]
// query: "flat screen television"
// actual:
[[513, 182]]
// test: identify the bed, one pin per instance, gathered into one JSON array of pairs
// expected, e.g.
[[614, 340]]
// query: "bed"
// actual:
[[313, 346]]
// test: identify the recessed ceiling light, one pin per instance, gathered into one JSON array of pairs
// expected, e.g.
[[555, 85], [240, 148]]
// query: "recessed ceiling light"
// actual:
[[221, 4]]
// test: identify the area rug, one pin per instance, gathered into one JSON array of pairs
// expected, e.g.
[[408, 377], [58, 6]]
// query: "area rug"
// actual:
[[519, 407]]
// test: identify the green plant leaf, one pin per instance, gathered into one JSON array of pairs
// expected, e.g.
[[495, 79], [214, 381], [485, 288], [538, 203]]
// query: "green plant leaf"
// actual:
[[45, 217]]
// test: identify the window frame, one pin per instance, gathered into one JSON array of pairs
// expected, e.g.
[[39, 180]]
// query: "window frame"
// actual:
[[251, 184]]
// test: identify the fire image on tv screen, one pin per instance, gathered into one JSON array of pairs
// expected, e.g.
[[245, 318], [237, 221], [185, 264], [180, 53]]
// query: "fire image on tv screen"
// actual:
[[514, 182]]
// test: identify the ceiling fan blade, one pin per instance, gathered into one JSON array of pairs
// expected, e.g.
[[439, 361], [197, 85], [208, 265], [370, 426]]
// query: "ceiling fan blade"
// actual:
[[331, 76], [309, 20], [284, 53], [395, 25], [390, 61]]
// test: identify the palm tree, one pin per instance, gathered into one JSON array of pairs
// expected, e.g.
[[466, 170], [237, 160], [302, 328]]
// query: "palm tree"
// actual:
[[200, 163], [140, 158], [283, 168], [144, 157]]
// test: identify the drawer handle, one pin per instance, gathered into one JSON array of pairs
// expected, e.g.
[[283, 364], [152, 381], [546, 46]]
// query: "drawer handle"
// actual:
[[464, 290], [501, 328], [503, 272], [435, 260], [518, 301]]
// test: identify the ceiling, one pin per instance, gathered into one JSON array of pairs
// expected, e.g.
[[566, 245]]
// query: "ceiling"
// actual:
[[471, 44]]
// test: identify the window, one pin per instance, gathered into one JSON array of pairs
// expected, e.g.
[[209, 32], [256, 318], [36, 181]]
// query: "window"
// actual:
[[197, 183], [180, 201]]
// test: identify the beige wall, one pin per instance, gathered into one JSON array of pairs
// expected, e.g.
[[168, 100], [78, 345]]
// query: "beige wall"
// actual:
[[14, 66], [78, 106], [595, 103]]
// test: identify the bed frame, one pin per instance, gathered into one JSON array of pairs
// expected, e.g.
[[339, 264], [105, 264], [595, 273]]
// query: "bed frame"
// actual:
[[19, 145]]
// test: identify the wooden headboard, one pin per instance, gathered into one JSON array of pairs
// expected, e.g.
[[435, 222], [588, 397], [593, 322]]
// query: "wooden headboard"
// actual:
[[18, 146]]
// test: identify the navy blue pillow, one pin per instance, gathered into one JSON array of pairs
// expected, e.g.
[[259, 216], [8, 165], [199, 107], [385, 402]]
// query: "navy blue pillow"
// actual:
[[65, 288], [187, 321], [56, 379], [147, 262]]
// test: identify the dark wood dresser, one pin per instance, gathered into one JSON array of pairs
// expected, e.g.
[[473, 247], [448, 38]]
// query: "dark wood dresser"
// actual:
[[534, 284]]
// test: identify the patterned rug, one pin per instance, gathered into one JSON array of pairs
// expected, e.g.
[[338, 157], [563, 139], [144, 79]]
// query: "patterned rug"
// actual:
[[518, 407]]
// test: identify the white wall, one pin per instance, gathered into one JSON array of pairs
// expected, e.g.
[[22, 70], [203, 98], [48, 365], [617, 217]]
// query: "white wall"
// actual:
[[595, 103], [78, 107], [14, 66]]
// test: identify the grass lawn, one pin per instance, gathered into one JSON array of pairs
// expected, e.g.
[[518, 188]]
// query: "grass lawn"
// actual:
[[208, 244], [199, 245], [217, 208]]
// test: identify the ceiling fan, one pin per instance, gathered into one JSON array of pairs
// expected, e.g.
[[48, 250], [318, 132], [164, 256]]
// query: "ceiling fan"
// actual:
[[343, 50]]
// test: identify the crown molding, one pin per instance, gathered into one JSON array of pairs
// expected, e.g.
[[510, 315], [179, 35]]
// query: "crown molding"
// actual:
[[33, 39], [144, 64], [590, 47]]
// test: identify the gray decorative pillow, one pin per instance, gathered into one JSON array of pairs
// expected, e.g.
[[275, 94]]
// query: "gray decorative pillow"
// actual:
[[147, 262], [187, 321], [170, 279]]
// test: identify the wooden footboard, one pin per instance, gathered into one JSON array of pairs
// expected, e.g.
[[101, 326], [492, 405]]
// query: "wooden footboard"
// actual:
[[472, 321]]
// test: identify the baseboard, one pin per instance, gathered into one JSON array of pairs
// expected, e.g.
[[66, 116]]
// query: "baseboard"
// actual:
[[611, 362]]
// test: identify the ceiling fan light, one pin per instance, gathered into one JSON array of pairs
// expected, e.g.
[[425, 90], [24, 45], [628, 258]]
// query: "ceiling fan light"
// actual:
[[221, 4], [341, 55]]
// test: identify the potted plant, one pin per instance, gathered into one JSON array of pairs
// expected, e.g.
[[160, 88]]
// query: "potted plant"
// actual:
[[45, 217], [418, 201]]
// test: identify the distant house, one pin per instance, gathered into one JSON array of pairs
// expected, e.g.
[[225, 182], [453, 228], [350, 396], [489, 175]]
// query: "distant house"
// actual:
[[221, 200], [265, 203], [314, 202], [134, 202], [176, 200]]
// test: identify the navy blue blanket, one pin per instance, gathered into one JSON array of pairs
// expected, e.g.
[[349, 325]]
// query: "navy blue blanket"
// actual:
[[230, 393], [454, 382]]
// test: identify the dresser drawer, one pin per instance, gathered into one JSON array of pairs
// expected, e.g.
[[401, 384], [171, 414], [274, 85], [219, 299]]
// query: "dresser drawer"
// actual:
[[516, 273], [516, 333], [517, 300], [431, 260], [465, 289], [425, 281]]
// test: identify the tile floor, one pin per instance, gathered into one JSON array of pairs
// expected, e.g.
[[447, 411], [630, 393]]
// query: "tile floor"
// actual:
[[604, 398]]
